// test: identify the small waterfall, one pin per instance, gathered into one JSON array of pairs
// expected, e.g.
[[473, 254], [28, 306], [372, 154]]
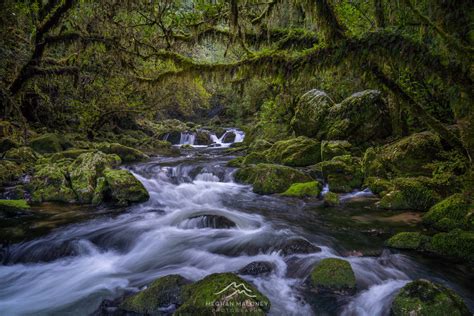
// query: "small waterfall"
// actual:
[[222, 141], [187, 138]]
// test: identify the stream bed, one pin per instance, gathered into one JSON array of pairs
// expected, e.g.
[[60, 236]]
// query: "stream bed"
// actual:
[[180, 230]]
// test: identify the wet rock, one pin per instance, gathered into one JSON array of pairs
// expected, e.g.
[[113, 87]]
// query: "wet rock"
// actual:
[[423, 297], [257, 268], [173, 137], [50, 143], [298, 246], [203, 138], [305, 189], [161, 294], [212, 221], [222, 293], [229, 137], [122, 188], [331, 199], [408, 240], [333, 275], [311, 112], [342, 173]]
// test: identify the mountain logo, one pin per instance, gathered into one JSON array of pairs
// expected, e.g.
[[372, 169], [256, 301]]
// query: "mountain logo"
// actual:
[[236, 289]]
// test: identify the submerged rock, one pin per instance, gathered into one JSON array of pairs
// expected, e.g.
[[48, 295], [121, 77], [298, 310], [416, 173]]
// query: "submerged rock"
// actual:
[[333, 275], [257, 268], [298, 246], [268, 178], [222, 293], [212, 221], [311, 113], [305, 189], [122, 188], [161, 294], [422, 297], [50, 143]]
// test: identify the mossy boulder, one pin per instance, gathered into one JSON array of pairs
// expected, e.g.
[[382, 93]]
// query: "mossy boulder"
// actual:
[[311, 113], [14, 205], [255, 158], [457, 244], [453, 212], [50, 183], [305, 189], [342, 173], [260, 145], [333, 148], [333, 275], [296, 152], [408, 240], [6, 144], [161, 294], [331, 199], [10, 171], [126, 154], [22, 155], [409, 156], [222, 293], [85, 170], [203, 138], [236, 162], [49, 143], [423, 297], [378, 185], [409, 194], [360, 118], [122, 188], [269, 178], [71, 153]]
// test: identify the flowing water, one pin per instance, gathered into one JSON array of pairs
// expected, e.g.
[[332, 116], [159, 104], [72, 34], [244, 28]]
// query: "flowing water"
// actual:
[[198, 221]]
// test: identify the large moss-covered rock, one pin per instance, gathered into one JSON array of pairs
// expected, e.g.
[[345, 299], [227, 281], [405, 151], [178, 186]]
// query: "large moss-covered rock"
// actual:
[[85, 170], [408, 240], [268, 178], [409, 193], [296, 152], [378, 185], [342, 173], [22, 155], [10, 171], [71, 153], [408, 156], [333, 148], [311, 113], [50, 183], [333, 275], [362, 117], [159, 295], [260, 145], [126, 154], [423, 297], [123, 188], [49, 143], [306, 189], [223, 293], [453, 212], [458, 244]]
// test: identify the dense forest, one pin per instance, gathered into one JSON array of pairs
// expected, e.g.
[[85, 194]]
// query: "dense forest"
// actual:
[[208, 157]]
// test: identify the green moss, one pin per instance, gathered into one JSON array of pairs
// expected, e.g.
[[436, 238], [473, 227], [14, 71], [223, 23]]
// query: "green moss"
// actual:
[[223, 293], [457, 244], [255, 158], [49, 143], [123, 188], [260, 145], [378, 185], [331, 199], [10, 171], [162, 293], [72, 153], [331, 149], [408, 240], [236, 162], [296, 152], [333, 275], [50, 183], [422, 297], [373, 165], [13, 205], [6, 144], [453, 212], [126, 154], [342, 173], [268, 178], [22, 155], [409, 193], [312, 188]]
